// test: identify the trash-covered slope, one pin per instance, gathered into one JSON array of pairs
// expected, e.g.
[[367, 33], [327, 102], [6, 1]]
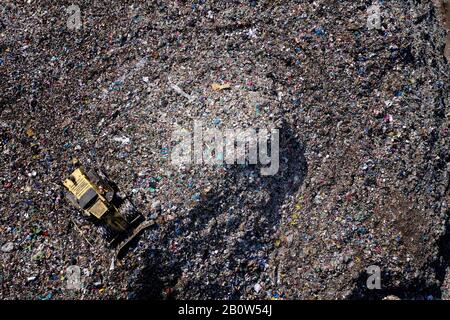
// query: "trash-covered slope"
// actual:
[[363, 176]]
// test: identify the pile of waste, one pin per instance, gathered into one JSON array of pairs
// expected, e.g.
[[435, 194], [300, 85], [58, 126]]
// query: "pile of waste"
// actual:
[[357, 90]]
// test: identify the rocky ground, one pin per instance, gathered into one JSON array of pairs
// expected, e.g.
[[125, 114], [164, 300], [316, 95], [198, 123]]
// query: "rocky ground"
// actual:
[[364, 150]]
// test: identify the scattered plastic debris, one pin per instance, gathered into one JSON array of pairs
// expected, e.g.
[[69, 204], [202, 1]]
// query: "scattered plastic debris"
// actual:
[[363, 119]]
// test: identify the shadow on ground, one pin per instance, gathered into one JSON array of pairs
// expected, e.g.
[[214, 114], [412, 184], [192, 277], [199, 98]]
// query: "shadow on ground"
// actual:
[[223, 242], [417, 289]]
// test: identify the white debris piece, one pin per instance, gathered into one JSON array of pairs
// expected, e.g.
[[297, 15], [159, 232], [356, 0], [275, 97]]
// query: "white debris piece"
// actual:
[[180, 91], [8, 247], [122, 140]]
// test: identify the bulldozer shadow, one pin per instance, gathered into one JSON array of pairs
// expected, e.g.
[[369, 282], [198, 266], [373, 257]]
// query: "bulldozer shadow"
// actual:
[[227, 237]]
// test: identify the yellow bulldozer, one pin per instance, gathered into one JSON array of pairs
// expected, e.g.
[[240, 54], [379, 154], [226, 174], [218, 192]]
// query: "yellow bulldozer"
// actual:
[[98, 197]]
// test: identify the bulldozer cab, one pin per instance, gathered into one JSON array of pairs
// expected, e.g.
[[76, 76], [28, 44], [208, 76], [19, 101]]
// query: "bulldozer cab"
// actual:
[[87, 195]]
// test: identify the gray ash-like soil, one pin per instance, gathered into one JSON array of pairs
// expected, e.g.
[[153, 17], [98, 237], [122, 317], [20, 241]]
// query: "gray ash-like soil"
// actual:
[[364, 150]]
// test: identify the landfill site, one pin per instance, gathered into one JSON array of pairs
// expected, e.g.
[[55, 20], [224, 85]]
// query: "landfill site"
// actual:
[[95, 97]]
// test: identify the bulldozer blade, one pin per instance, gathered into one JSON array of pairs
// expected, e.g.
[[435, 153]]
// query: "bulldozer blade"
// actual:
[[121, 249]]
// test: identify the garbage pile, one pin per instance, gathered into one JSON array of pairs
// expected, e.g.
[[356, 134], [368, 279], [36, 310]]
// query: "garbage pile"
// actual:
[[362, 110]]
